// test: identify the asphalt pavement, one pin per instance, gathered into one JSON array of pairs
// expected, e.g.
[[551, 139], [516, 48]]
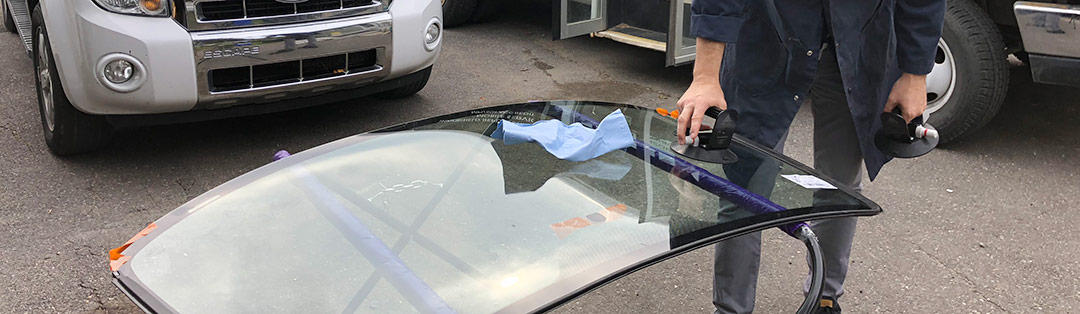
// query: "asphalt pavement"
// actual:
[[987, 224]]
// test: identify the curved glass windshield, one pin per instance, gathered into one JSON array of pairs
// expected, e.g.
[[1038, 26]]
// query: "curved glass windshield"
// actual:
[[436, 215]]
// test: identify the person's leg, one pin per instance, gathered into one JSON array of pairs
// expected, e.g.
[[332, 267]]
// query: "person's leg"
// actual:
[[737, 259], [735, 274], [837, 155]]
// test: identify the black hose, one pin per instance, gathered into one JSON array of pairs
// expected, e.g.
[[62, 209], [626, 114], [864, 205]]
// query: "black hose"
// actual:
[[817, 270]]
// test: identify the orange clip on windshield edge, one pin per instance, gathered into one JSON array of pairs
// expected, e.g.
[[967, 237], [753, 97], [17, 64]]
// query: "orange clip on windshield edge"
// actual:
[[116, 259]]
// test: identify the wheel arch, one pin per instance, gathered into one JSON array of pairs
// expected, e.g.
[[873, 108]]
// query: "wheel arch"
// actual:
[[59, 18]]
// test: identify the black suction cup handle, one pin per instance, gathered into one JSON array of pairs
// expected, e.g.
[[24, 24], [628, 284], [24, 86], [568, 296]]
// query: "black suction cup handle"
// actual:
[[723, 128], [714, 144], [713, 112], [902, 139], [894, 126], [917, 121]]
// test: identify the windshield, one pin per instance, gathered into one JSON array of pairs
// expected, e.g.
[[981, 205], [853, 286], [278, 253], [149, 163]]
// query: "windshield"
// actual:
[[435, 215]]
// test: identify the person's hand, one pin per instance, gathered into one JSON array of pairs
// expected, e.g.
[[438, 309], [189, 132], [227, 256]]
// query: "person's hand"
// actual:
[[909, 93], [699, 97]]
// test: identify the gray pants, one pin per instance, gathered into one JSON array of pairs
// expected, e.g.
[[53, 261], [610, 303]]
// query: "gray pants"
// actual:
[[837, 155]]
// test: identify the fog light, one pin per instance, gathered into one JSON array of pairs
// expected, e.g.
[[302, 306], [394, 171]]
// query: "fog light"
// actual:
[[432, 35], [119, 71]]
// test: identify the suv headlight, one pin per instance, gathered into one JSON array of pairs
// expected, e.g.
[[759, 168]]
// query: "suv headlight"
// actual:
[[136, 7]]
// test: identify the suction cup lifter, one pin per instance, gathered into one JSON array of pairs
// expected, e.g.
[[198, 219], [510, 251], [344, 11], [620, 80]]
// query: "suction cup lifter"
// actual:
[[712, 145], [900, 139]]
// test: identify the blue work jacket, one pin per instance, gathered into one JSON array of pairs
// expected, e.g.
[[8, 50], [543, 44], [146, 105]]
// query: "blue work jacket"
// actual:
[[766, 77]]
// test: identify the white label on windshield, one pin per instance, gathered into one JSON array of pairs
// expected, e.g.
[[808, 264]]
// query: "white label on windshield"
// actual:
[[808, 181]]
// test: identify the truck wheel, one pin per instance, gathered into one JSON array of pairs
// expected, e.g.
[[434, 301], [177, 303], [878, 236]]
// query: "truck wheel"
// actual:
[[9, 22], [408, 90], [457, 12], [67, 130], [971, 72]]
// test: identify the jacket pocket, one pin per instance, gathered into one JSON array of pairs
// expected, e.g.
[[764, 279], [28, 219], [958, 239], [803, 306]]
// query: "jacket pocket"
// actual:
[[799, 75], [759, 55]]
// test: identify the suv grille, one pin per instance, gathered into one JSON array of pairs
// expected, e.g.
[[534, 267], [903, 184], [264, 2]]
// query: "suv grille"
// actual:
[[281, 73], [240, 9]]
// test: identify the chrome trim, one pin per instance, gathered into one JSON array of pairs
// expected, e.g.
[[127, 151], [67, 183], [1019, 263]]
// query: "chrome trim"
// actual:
[[438, 40], [287, 43], [192, 21], [1048, 28], [278, 88]]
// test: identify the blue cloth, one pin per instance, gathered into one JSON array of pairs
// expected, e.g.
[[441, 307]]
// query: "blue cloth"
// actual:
[[573, 142], [766, 77]]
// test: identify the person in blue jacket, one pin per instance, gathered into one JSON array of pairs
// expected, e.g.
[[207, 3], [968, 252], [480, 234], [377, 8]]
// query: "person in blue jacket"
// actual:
[[852, 59]]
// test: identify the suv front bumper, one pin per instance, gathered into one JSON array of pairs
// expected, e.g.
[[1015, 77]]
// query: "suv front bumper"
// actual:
[[249, 49], [177, 70]]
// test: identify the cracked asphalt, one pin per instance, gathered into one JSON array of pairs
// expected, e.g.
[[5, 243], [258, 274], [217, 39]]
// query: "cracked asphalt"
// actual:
[[985, 225]]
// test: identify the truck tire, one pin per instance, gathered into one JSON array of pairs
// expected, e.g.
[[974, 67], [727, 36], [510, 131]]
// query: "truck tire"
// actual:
[[408, 90], [486, 10], [9, 22], [971, 72], [67, 130], [457, 12]]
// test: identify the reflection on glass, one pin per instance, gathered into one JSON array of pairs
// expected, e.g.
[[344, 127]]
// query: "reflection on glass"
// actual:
[[582, 10], [484, 226]]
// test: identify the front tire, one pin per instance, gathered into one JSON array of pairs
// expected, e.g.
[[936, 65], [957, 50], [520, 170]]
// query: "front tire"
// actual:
[[9, 22], [408, 90], [457, 12], [971, 72], [67, 130]]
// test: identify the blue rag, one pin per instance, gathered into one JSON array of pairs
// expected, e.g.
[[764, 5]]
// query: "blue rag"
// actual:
[[573, 142]]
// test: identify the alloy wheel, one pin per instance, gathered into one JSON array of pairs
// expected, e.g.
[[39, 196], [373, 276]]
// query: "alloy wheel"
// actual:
[[45, 93]]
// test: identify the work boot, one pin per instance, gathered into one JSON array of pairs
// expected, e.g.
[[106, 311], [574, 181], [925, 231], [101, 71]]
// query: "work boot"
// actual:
[[828, 305]]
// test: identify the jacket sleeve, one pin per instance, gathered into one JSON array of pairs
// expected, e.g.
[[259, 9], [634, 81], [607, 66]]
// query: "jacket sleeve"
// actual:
[[716, 20], [918, 26]]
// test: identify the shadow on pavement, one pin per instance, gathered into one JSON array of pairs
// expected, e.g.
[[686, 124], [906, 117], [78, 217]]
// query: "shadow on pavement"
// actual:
[[1035, 118]]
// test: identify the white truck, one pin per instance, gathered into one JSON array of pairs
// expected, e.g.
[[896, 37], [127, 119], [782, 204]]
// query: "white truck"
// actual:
[[103, 64]]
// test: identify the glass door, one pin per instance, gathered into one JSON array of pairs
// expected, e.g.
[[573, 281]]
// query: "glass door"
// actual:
[[681, 44], [578, 17]]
